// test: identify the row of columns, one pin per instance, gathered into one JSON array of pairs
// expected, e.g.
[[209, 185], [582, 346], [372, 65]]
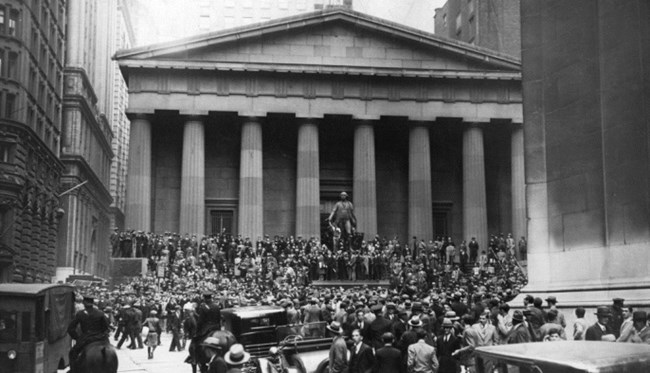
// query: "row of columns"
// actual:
[[250, 215]]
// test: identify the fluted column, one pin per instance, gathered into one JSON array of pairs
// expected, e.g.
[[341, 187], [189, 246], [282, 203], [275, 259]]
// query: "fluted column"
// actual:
[[364, 189], [138, 184], [192, 218], [74, 45], [308, 182], [518, 184], [420, 200], [251, 208], [474, 200]]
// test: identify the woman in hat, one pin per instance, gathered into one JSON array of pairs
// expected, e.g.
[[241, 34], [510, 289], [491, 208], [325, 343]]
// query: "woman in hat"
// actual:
[[153, 324]]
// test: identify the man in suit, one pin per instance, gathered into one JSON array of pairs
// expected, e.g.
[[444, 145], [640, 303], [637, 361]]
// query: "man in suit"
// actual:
[[519, 333], [487, 336], [421, 356], [361, 324], [361, 358], [313, 315], [388, 359], [378, 327], [446, 344], [176, 327], [601, 330]]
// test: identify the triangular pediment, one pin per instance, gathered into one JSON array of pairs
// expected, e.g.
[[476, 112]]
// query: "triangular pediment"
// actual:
[[334, 40]]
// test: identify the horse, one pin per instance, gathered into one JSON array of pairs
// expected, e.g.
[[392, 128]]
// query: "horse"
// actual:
[[226, 339], [97, 357]]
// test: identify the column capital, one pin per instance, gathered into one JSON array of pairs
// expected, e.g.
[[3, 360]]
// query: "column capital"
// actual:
[[252, 114], [192, 118], [308, 116], [476, 120], [193, 113], [133, 115], [366, 117]]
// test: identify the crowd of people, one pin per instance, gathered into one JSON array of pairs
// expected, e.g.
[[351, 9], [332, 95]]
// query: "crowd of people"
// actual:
[[429, 318]]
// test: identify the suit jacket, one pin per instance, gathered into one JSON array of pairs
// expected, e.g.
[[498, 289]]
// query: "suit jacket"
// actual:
[[518, 334], [422, 358], [444, 349], [378, 327], [388, 359], [595, 333], [487, 336], [361, 362], [175, 321], [364, 331]]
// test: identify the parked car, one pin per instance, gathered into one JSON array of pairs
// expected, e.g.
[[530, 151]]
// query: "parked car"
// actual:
[[565, 357], [304, 347]]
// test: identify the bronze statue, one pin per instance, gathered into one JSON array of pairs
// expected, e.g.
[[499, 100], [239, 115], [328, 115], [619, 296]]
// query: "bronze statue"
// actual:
[[343, 218]]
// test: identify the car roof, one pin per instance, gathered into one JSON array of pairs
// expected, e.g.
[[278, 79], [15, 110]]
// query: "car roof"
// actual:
[[249, 312], [591, 356], [30, 289]]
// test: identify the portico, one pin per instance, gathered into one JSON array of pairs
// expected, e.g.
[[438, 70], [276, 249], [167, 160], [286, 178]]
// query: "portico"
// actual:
[[257, 130]]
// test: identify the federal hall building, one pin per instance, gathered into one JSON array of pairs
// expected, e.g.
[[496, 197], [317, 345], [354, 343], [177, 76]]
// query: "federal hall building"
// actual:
[[256, 130]]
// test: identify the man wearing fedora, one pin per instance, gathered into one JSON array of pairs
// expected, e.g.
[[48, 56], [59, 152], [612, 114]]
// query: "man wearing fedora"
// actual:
[[446, 344], [519, 332], [616, 318], [236, 357], [601, 330], [551, 300], [214, 352], [639, 332], [378, 327], [362, 359], [421, 356], [338, 362]]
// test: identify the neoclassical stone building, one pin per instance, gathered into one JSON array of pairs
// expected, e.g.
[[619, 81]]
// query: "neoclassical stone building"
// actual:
[[257, 129]]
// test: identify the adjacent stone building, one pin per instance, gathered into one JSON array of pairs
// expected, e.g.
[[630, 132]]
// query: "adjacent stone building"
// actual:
[[492, 24], [587, 123], [257, 129], [86, 149], [31, 76]]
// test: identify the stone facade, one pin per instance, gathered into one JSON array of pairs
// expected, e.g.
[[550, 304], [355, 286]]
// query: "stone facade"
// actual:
[[296, 110], [493, 24], [86, 144], [586, 145], [31, 74]]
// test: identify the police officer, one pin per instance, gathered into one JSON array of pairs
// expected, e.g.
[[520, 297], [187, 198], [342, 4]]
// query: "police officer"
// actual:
[[94, 327]]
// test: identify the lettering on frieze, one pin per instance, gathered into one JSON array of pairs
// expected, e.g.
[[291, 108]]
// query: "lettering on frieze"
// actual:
[[422, 93], [338, 90], [223, 87], [309, 90], [281, 88], [251, 86], [503, 95], [394, 93], [365, 89]]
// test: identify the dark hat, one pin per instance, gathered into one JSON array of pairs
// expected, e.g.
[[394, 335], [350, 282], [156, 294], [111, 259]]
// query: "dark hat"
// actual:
[[551, 299], [518, 316], [618, 300], [207, 294], [417, 306], [603, 311], [89, 298], [376, 308], [446, 323], [334, 327], [236, 355], [212, 342], [451, 315]]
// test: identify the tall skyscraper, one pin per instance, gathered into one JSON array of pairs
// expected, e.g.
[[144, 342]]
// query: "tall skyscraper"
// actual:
[[31, 79]]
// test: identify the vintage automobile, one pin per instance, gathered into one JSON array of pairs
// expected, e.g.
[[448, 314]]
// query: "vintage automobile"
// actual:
[[564, 357], [304, 347], [33, 327]]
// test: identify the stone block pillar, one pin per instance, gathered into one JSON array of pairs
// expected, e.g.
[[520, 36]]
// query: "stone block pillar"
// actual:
[[364, 188], [308, 181], [518, 183], [420, 200], [251, 207], [138, 184], [192, 219], [474, 200]]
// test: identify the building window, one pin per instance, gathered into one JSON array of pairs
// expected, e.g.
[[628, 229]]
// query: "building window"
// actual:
[[2, 19], [444, 20], [10, 105], [13, 23], [12, 65], [458, 19]]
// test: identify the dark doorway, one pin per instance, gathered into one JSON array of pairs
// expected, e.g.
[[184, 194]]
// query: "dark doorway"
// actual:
[[221, 221]]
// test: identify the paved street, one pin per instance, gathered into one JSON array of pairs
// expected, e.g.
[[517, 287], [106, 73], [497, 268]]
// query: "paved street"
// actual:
[[135, 361]]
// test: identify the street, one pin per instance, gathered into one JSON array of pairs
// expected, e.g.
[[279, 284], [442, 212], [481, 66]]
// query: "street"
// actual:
[[135, 361]]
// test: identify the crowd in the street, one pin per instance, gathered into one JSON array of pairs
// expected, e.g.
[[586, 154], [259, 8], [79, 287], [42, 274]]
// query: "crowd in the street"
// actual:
[[434, 311]]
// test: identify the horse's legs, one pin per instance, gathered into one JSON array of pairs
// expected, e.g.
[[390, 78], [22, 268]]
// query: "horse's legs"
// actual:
[[193, 368]]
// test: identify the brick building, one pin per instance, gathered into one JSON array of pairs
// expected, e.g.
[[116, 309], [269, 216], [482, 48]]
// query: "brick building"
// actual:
[[31, 78], [492, 24]]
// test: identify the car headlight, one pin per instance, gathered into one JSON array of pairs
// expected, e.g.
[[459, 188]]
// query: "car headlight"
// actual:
[[11, 354]]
